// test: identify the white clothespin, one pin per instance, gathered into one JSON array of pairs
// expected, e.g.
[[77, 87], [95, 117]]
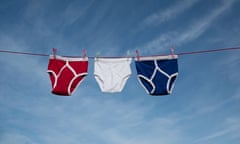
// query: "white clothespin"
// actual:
[[97, 55], [128, 55]]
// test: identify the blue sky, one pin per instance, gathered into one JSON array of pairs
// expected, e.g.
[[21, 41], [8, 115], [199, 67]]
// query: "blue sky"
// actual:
[[203, 108]]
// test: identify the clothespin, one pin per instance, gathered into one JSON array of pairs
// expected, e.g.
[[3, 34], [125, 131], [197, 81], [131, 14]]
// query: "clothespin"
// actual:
[[137, 55], [128, 54], [84, 53], [172, 50], [97, 55], [54, 52]]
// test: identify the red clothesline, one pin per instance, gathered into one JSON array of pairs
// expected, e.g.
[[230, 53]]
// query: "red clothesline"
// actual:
[[181, 53], [22, 53], [208, 51]]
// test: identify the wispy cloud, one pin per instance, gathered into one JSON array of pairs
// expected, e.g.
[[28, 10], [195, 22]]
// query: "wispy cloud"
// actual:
[[75, 10], [230, 127], [200, 26], [230, 65], [30, 70], [31, 114], [170, 13], [78, 121], [237, 94], [195, 30], [14, 137], [207, 108]]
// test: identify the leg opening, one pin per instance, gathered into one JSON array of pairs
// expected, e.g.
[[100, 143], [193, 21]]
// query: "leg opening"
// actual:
[[146, 84], [171, 83]]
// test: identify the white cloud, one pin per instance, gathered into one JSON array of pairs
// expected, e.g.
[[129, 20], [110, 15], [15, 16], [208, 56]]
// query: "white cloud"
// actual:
[[84, 118], [14, 138], [75, 10], [200, 26], [74, 120], [168, 14], [157, 130], [201, 108], [195, 30], [229, 65], [158, 44], [231, 127]]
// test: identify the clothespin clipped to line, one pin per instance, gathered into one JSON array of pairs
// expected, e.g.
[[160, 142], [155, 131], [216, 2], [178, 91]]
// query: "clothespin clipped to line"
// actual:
[[173, 55], [137, 55], [54, 52], [84, 53], [128, 55], [97, 55]]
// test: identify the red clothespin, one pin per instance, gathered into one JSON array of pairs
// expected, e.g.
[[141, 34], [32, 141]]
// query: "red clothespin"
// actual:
[[137, 55], [84, 53], [54, 52], [172, 50]]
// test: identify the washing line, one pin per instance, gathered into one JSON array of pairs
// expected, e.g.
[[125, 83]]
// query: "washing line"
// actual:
[[181, 53]]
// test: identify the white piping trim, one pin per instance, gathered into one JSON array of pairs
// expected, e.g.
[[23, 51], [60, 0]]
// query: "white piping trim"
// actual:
[[173, 83], [55, 78], [158, 68], [141, 83], [70, 68], [75, 77]]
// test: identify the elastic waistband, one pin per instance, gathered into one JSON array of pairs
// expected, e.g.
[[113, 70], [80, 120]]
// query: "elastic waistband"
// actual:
[[166, 57], [68, 58], [112, 59]]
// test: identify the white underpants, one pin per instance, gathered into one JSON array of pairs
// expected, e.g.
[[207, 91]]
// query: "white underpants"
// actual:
[[111, 74]]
